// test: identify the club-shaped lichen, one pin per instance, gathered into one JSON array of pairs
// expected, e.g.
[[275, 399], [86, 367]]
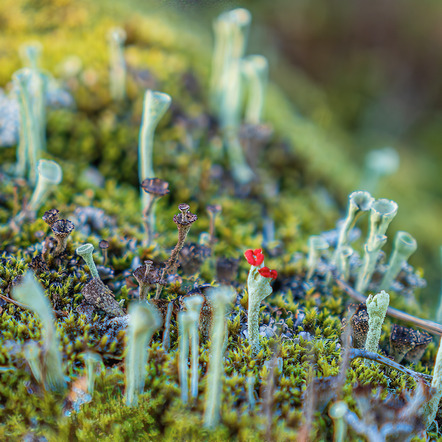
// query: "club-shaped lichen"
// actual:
[[185, 320], [31, 293], [404, 246], [155, 105], [377, 309], [256, 71], [258, 288], [220, 297], [316, 245], [193, 305], [144, 320], [382, 213], [337, 412], [86, 251], [30, 86], [117, 66]]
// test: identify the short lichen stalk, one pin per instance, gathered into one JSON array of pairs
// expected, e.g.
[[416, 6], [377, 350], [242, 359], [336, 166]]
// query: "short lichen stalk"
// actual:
[[61, 230], [117, 68], [382, 213], [377, 309], [432, 406], [184, 221], [221, 297], [337, 412], [258, 288], [316, 245], [86, 251], [31, 293], [91, 361], [144, 320], [155, 106], [49, 175], [404, 246]]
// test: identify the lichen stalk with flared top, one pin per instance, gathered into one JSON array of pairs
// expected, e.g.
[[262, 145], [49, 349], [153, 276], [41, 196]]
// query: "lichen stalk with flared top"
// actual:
[[382, 213], [377, 309], [221, 298], [432, 406], [359, 202], [337, 412], [155, 105], [86, 251], [144, 320], [404, 246], [31, 293]]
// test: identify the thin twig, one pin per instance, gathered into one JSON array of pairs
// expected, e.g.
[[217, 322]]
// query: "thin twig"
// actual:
[[356, 353], [18, 304], [425, 324]]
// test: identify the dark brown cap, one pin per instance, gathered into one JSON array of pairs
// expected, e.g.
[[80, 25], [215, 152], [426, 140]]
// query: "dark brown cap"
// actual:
[[103, 244], [155, 186], [62, 228], [51, 216]]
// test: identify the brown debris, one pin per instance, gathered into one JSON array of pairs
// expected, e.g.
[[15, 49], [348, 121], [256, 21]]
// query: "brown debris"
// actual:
[[408, 342], [359, 323]]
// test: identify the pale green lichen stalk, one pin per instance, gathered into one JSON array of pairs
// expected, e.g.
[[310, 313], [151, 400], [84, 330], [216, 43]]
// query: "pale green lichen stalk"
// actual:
[[221, 297], [377, 309], [117, 68], [86, 251], [30, 86], [231, 29], [193, 305], [91, 361], [337, 412], [382, 213], [31, 293], [431, 407], [144, 320], [439, 310], [256, 71], [316, 245], [189, 338], [359, 202], [155, 106], [404, 246]]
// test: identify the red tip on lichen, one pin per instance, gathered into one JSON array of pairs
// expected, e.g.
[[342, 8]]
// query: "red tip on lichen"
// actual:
[[267, 273], [254, 257]]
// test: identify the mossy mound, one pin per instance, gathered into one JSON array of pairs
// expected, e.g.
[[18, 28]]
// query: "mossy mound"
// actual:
[[298, 189]]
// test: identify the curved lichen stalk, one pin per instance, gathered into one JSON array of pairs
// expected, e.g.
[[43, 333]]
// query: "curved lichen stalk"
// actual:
[[31, 293], [117, 68]]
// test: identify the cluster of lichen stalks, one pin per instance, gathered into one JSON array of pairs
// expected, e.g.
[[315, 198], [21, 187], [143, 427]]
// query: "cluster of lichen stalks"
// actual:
[[201, 317]]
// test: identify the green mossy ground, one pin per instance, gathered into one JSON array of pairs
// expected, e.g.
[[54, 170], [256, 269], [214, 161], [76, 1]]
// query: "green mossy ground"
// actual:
[[104, 135]]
